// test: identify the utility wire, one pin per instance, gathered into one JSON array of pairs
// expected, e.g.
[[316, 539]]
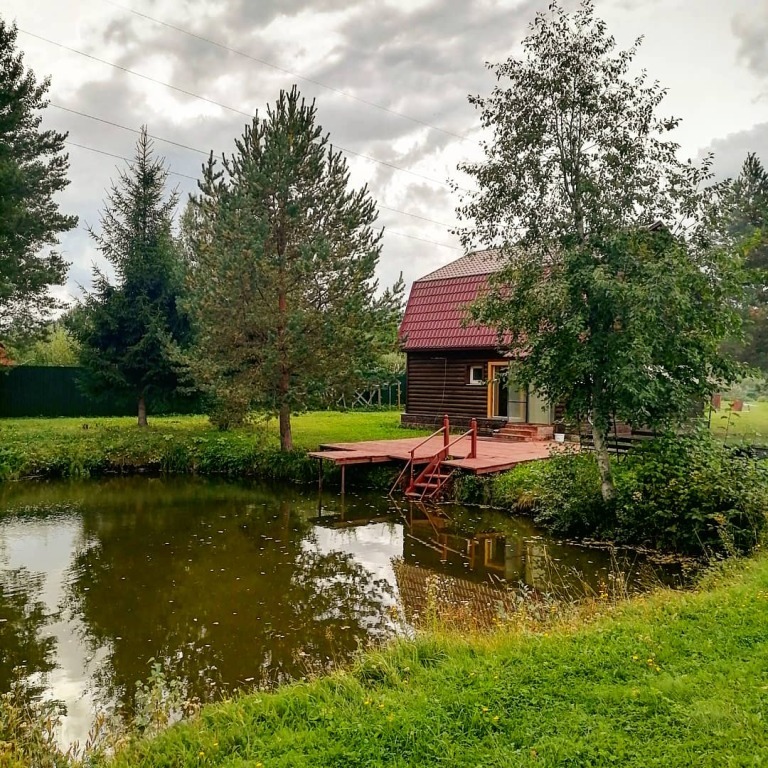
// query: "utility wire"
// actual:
[[220, 104], [423, 240], [203, 152], [126, 128], [278, 68], [185, 176], [120, 157]]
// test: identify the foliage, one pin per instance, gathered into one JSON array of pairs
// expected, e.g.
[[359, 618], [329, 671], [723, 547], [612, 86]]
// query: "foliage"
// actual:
[[691, 494], [620, 282], [569, 499], [28, 730], [127, 331], [282, 283], [57, 348], [33, 169], [670, 679], [748, 220], [520, 488]]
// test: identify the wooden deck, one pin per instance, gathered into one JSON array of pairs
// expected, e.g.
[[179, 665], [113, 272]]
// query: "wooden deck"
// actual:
[[492, 455]]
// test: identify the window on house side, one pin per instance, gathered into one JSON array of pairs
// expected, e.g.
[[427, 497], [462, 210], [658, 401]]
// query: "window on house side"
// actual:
[[477, 374]]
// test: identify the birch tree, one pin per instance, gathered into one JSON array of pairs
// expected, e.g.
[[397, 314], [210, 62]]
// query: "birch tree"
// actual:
[[620, 281]]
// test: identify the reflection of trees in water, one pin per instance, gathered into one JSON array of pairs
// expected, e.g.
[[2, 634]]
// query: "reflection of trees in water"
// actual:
[[224, 592], [24, 649]]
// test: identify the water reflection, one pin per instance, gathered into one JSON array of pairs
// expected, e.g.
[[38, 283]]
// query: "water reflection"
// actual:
[[233, 585], [26, 649], [242, 596]]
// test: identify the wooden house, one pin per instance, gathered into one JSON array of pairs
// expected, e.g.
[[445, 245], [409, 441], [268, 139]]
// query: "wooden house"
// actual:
[[458, 369]]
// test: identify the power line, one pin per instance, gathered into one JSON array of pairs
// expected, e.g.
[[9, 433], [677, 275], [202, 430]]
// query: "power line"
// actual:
[[220, 104], [127, 128], [278, 68], [183, 175], [424, 240], [119, 157], [203, 152]]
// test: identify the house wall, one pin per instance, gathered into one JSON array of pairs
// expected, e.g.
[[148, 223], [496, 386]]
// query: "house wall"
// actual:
[[438, 383]]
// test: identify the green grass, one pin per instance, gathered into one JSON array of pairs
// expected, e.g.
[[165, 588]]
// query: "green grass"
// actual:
[[84, 447], [670, 679], [749, 426]]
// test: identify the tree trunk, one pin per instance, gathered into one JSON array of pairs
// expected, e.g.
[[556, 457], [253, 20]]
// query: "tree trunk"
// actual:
[[284, 385], [607, 488], [286, 438], [142, 412]]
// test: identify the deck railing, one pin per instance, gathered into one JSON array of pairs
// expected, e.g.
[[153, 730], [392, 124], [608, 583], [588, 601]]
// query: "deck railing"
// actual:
[[440, 455]]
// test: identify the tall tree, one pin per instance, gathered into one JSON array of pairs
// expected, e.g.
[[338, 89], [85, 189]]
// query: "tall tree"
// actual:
[[127, 330], [749, 225], [33, 168], [282, 279], [619, 284]]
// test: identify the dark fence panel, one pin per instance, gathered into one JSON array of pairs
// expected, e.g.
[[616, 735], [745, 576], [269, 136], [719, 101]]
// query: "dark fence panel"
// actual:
[[50, 391], [55, 391]]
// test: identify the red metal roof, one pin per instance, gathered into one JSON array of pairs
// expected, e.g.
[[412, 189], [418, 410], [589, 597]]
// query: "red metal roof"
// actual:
[[435, 313]]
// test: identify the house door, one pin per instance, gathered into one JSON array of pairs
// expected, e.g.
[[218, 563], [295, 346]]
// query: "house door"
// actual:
[[498, 393], [506, 400]]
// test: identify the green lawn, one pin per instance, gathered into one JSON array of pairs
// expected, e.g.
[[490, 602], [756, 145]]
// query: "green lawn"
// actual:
[[751, 425], [309, 429], [78, 447], [670, 679]]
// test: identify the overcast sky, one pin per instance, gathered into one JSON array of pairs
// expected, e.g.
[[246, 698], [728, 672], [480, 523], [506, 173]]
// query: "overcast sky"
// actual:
[[391, 79]]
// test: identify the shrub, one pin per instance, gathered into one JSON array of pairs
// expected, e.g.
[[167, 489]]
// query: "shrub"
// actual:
[[693, 495], [569, 500], [521, 486]]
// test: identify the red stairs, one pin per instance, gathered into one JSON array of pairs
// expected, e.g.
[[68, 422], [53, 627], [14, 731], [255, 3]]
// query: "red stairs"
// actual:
[[430, 481], [424, 477], [524, 433]]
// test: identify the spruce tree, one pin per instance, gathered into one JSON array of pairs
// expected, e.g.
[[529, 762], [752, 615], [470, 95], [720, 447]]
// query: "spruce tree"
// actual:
[[128, 330], [282, 280], [33, 168], [749, 225]]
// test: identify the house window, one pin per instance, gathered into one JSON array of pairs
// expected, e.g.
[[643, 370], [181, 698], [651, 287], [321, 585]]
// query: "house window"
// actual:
[[477, 374]]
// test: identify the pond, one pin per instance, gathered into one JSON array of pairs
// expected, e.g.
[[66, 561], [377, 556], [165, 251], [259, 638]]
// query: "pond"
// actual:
[[235, 585]]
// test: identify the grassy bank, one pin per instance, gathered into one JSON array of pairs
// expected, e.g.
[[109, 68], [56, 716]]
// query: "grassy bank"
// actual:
[[670, 679], [179, 444]]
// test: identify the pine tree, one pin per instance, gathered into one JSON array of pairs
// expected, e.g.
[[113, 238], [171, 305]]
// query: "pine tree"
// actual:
[[33, 168], [128, 330], [282, 280]]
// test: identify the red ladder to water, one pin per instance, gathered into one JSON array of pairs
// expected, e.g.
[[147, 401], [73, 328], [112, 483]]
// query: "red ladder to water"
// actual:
[[434, 476]]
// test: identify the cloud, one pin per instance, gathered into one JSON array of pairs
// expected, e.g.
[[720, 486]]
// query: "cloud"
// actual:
[[731, 151], [751, 30]]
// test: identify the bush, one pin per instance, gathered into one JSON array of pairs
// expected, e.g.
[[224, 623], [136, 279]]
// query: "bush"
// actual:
[[520, 488], [569, 500], [692, 495]]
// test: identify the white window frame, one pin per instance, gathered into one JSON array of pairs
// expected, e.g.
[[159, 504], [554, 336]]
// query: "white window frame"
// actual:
[[477, 382]]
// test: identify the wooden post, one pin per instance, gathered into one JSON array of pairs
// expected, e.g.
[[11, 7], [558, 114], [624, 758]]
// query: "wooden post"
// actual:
[[343, 477], [446, 430], [320, 475], [473, 438]]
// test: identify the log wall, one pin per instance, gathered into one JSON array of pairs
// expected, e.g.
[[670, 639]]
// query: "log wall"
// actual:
[[438, 383]]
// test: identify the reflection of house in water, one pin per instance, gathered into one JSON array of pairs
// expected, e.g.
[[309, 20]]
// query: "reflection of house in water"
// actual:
[[449, 598], [433, 540]]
